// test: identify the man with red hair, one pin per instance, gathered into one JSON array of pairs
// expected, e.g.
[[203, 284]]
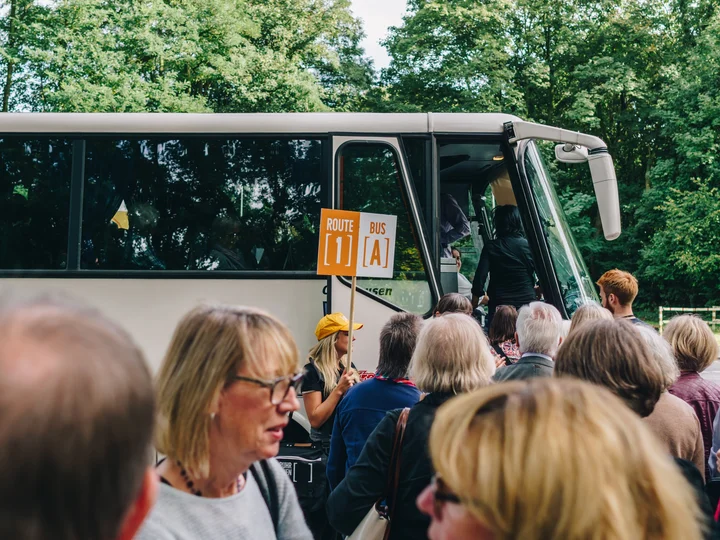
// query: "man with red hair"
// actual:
[[618, 290]]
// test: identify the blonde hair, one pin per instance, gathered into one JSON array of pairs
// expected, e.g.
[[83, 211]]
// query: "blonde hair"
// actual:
[[560, 460], [592, 311], [452, 355], [324, 356], [692, 342], [209, 346]]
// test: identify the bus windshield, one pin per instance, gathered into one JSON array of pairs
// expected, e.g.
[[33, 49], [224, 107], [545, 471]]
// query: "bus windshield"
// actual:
[[572, 275]]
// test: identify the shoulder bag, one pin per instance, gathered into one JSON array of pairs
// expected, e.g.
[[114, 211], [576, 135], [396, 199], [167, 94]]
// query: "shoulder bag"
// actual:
[[376, 524]]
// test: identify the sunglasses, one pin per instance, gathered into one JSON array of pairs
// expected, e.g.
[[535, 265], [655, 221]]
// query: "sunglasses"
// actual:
[[279, 388], [441, 495]]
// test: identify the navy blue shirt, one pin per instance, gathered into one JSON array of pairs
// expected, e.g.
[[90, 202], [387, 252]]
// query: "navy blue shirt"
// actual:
[[357, 415]]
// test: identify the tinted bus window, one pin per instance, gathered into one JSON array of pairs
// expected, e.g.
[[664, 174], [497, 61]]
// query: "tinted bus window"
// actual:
[[202, 204], [416, 150], [34, 202], [371, 181]]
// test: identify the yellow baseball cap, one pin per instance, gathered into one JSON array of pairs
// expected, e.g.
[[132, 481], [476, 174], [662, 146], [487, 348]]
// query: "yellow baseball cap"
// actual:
[[334, 322]]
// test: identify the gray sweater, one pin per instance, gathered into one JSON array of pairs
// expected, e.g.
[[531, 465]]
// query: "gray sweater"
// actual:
[[180, 516]]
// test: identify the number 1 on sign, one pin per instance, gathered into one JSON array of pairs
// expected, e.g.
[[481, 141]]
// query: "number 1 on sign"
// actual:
[[339, 251]]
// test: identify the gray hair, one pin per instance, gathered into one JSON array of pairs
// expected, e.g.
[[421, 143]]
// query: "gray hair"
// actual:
[[592, 311], [539, 327], [662, 353], [452, 355]]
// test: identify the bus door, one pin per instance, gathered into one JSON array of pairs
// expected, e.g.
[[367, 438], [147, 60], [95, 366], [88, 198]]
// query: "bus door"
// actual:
[[473, 178], [371, 174], [476, 175]]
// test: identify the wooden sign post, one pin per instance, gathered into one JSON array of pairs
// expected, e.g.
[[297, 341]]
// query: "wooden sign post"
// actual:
[[356, 244]]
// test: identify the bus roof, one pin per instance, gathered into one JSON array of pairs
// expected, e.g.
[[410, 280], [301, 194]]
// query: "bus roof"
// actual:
[[271, 123]]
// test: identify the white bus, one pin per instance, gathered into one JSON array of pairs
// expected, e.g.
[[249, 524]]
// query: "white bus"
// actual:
[[146, 215]]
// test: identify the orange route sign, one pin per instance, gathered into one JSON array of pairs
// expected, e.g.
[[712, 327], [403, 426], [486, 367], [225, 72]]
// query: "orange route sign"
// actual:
[[356, 244]]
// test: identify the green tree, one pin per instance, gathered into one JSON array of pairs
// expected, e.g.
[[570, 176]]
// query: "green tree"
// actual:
[[18, 28], [186, 55], [685, 250], [678, 216], [451, 56]]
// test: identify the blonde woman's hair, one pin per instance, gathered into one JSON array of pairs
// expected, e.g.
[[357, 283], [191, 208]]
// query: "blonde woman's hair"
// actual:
[[560, 460], [324, 356], [209, 346], [452, 355], [692, 342], [592, 311]]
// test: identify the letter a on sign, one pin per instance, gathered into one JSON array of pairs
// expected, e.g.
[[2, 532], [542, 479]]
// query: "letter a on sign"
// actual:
[[356, 244], [376, 249]]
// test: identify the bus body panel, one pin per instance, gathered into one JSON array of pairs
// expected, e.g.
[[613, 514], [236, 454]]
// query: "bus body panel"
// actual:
[[266, 123], [151, 308], [372, 314]]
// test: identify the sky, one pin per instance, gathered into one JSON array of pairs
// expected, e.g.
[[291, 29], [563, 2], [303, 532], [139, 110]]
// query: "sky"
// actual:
[[377, 16]]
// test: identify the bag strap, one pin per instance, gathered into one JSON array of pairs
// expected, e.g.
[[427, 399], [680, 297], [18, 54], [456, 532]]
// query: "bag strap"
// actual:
[[391, 490], [499, 351], [266, 482]]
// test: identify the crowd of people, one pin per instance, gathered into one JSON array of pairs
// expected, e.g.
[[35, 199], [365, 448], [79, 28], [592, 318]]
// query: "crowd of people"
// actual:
[[537, 429]]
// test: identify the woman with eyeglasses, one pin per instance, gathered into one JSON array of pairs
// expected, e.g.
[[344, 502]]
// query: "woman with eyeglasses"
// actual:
[[224, 392], [326, 379], [552, 459]]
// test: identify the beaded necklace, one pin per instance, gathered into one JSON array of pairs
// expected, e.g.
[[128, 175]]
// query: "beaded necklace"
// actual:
[[191, 486]]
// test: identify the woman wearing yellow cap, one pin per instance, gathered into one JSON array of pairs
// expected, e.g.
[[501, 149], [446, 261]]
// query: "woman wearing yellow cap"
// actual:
[[325, 381]]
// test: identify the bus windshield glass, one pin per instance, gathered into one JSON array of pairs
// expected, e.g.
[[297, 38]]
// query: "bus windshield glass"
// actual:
[[572, 275]]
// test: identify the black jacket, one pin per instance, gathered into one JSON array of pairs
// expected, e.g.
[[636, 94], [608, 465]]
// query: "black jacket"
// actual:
[[365, 481], [694, 478], [509, 262], [526, 368]]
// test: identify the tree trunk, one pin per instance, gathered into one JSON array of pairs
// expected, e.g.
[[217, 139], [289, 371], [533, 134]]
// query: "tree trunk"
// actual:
[[10, 48]]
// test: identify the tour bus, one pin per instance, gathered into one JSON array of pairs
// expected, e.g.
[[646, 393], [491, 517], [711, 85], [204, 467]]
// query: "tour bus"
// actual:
[[146, 215]]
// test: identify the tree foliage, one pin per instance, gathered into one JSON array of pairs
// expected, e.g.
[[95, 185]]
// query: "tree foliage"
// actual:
[[183, 55]]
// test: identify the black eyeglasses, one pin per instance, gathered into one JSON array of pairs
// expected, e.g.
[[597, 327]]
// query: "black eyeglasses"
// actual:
[[279, 387], [441, 495]]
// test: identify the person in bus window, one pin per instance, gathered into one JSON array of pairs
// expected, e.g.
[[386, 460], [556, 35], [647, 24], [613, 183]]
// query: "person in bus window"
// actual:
[[326, 381], [140, 250], [454, 224], [453, 303], [508, 260], [224, 254], [464, 285]]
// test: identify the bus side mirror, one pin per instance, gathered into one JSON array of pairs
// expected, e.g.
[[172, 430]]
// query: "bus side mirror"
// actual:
[[604, 182], [571, 153], [606, 192]]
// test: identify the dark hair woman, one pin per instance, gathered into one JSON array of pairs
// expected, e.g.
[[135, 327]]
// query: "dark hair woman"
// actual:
[[508, 261], [501, 336], [453, 303]]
